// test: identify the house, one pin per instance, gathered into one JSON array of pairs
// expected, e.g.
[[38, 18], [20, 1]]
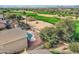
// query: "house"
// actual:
[[2, 25]]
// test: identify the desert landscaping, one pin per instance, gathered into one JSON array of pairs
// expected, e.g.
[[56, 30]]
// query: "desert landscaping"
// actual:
[[53, 30]]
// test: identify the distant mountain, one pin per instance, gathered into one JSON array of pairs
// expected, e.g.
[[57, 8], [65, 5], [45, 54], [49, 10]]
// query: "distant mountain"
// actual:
[[39, 6]]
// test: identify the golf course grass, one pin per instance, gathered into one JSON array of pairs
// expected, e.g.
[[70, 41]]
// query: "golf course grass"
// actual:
[[43, 18], [77, 26]]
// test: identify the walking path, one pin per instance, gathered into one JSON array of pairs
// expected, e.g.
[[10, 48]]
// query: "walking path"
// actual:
[[39, 50]]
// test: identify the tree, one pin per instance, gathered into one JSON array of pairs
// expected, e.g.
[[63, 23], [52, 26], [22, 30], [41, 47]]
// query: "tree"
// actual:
[[65, 30], [13, 16], [24, 13], [49, 35], [4, 11]]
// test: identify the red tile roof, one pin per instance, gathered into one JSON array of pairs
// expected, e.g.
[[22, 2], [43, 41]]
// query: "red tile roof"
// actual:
[[2, 25]]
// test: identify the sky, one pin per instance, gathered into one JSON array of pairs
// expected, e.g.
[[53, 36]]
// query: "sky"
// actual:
[[39, 2]]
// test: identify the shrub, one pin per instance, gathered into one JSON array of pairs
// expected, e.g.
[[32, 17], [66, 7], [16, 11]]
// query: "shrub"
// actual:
[[49, 35], [65, 30], [55, 52], [74, 47], [47, 45]]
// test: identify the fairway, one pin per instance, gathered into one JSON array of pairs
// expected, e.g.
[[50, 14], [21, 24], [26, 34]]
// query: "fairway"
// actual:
[[43, 18], [77, 26]]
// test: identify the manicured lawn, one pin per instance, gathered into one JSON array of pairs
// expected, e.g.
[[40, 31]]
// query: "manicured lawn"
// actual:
[[44, 12], [77, 26], [43, 18], [54, 13], [19, 14], [76, 33]]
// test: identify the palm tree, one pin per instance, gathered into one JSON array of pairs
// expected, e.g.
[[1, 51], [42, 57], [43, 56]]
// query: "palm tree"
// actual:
[[4, 14]]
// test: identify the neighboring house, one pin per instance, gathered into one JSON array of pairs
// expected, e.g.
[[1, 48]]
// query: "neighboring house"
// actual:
[[2, 25]]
